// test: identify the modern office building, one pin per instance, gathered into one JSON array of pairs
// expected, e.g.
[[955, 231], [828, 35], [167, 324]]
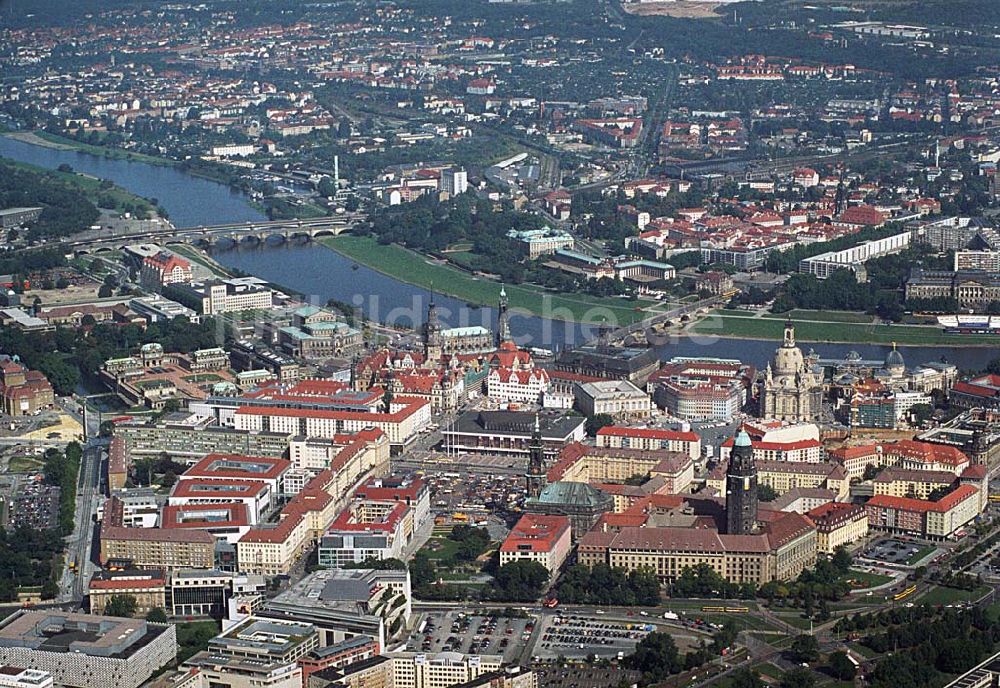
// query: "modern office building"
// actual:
[[19, 677], [508, 433], [197, 592], [212, 670], [262, 639], [343, 603], [443, 670], [87, 651]]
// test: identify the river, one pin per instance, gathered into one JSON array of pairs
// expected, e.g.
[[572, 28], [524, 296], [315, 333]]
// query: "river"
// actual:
[[323, 274], [191, 201]]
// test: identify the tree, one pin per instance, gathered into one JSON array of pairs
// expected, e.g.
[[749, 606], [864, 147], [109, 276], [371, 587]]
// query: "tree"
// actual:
[[105, 291], [598, 421], [841, 666], [656, 656], [799, 677], [745, 678], [120, 605], [422, 571], [157, 615], [842, 559], [766, 493], [471, 541], [804, 648], [920, 414], [871, 471], [520, 581]]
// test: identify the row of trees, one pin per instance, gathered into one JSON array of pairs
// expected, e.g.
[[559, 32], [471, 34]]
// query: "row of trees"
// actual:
[[606, 585], [518, 581], [30, 559], [814, 588], [884, 618], [62, 469], [881, 294]]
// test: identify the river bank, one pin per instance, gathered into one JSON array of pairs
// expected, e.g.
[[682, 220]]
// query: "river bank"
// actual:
[[733, 326], [56, 142], [190, 201], [413, 268], [91, 187]]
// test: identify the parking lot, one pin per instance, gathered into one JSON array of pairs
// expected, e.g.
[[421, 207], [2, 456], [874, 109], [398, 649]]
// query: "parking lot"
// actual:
[[460, 632], [36, 506], [893, 551], [579, 637]]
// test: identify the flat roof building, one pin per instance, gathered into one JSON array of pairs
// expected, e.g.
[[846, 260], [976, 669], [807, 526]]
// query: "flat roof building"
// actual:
[[87, 651], [266, 640], [18, 677], [343, 603]]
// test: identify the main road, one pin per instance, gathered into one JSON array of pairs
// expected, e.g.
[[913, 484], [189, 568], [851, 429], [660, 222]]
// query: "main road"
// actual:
[[80, 543]]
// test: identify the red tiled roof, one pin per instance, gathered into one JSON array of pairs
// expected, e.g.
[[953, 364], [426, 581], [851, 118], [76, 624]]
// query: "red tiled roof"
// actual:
[[204, 467], [946, 503], [236, 516], [536, 533], [128, 582], [195, 487]]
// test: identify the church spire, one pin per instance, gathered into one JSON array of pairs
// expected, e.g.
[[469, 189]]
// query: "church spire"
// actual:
[[535, 477], [503, 319]]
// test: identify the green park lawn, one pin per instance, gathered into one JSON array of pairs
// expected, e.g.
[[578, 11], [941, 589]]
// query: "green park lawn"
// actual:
[[863, 579], [941, 595], [24, 464], [438, 548], [920, 554], [721, 324], [822, 316], [414, 268]]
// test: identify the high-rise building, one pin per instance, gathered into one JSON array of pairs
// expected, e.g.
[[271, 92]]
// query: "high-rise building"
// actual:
[[741, 488], [454, 181]]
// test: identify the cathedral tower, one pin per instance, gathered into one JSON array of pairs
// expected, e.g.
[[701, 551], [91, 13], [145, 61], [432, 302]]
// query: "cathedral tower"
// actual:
[[503, 319], [432, 334]]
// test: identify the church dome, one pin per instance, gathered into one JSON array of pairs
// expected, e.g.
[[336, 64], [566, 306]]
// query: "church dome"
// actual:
[[788, 360], [894, 360]]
